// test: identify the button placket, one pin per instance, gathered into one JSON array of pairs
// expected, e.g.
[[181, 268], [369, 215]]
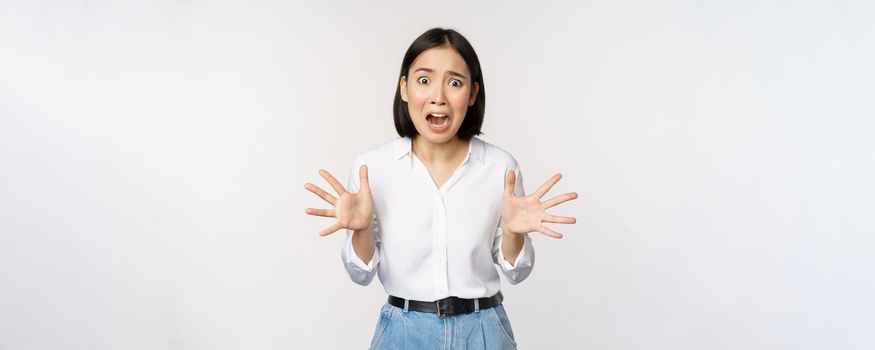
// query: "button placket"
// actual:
[[439, 247]]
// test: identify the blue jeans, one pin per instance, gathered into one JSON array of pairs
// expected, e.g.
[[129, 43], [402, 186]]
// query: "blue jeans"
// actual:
[[484, 329]]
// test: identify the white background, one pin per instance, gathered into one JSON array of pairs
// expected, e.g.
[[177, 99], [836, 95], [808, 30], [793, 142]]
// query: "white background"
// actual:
[[153, 156]]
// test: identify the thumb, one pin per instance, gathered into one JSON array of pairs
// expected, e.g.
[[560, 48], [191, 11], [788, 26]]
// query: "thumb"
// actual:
[[509, 183], [363, 178]]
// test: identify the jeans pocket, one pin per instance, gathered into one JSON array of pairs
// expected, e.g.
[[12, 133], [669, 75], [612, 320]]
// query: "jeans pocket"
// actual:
[[382, 325], [503, 323]]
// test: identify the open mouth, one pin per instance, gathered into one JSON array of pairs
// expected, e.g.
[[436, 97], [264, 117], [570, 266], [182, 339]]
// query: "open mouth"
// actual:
[[438, 120]]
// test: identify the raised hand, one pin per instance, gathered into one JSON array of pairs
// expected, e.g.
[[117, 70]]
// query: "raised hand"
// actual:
[[520, 215], [354, 211]]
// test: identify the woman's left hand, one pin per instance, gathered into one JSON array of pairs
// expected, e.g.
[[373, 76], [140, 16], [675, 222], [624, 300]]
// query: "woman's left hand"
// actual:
[[521, 215]]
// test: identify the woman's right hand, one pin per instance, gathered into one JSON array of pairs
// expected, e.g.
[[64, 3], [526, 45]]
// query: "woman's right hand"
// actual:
[[354, 211]]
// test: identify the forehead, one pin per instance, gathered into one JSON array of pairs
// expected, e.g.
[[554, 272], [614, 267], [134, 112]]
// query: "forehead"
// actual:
[[441, 58]]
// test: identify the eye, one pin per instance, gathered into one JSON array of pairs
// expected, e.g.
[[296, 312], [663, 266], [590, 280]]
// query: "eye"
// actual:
[[423, 80], [455, 83]]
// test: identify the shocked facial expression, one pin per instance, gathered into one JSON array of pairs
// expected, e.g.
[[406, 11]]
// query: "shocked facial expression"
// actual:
[[438, 89]]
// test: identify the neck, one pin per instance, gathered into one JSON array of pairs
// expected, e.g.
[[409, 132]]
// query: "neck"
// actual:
[[439, 152]]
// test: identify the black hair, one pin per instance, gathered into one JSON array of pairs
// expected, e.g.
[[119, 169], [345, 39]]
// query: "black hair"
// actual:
[[433, 38]]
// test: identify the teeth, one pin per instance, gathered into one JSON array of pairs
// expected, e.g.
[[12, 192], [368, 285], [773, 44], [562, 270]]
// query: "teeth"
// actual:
[[438, 120]]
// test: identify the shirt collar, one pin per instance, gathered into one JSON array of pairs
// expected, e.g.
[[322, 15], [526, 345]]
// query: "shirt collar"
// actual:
[[404, 147], [401, 148]]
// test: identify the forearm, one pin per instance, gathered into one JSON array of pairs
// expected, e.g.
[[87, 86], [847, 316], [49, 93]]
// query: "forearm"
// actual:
[[363, 244], [511, 246]]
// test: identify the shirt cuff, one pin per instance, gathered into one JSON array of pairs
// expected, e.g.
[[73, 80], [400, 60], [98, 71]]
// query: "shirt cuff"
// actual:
[[354, 260], [522, 260]]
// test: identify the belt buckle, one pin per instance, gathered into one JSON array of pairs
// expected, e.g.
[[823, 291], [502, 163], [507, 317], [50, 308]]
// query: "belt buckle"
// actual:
[[447, 309]]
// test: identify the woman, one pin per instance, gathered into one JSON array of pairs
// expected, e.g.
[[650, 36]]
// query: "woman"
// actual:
[[433, 210]]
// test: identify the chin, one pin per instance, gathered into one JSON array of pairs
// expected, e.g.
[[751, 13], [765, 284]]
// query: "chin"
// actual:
[[437, 138], [441, 138]]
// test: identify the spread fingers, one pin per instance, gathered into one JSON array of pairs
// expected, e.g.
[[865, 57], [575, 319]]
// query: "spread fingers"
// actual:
[[330, 230], [559, 219], [321, 193], [331, 180], [547, 185], [559, 200], [549, 232], [329, 213]]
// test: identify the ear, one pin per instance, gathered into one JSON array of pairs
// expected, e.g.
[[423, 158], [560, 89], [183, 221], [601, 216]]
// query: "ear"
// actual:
[[473, 97], [402, 87]]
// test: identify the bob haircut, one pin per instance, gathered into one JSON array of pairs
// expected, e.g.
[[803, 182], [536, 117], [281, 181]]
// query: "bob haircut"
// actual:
[[433, 38]]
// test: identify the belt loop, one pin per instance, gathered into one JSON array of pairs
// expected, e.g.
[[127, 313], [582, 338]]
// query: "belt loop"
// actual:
[[406, 305], [476, 305]]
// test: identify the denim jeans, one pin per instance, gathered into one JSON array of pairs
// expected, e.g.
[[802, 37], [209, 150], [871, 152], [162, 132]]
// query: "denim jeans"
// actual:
[[484, 329]]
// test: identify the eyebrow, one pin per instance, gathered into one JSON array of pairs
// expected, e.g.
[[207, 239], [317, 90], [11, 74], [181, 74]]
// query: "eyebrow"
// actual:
[[454, 73]]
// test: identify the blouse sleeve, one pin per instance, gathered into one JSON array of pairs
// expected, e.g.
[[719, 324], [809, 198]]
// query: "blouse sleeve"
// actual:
[[358, 271], [521, 269], [525, 261]]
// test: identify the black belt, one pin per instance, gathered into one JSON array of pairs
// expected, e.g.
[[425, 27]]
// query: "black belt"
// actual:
[[448, 306]]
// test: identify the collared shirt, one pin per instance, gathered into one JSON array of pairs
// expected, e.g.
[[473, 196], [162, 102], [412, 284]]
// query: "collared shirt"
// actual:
[[436, 242]]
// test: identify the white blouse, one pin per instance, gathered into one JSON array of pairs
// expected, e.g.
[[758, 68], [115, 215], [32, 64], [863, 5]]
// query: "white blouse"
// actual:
[[433, 243]]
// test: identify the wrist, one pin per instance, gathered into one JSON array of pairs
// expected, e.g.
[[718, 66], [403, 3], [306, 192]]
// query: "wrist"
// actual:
[[510, 234], [369, 228]]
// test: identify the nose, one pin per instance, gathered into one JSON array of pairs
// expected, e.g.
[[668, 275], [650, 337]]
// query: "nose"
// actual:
[[438, 97]]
